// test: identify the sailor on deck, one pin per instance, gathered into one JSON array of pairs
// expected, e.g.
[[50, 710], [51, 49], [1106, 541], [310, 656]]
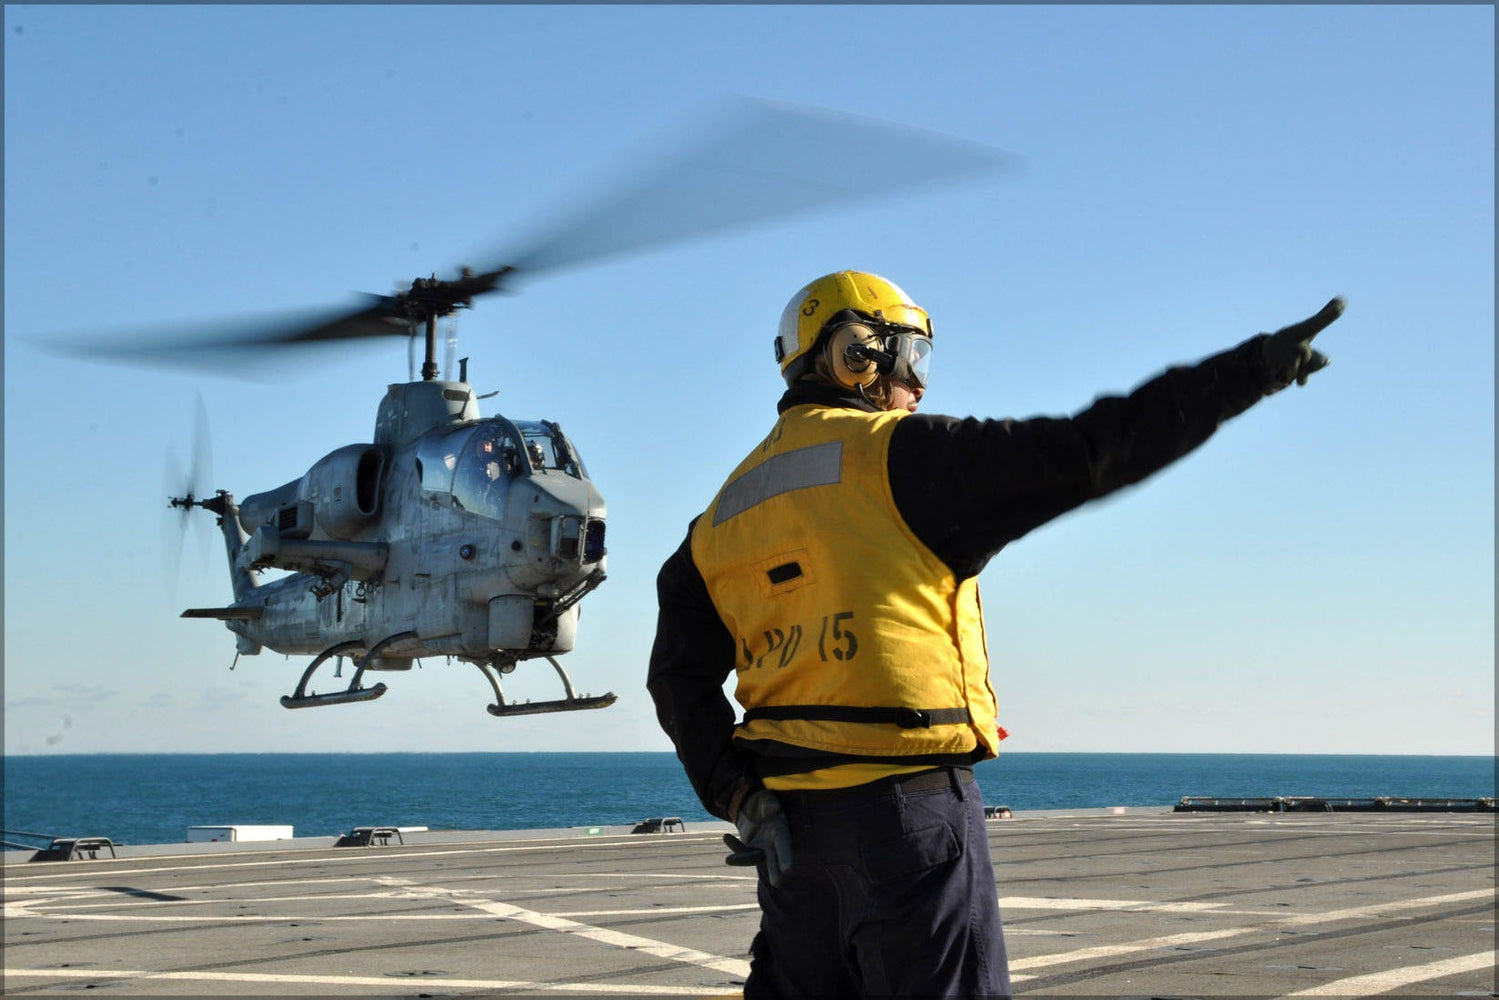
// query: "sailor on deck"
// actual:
[[836, 574]]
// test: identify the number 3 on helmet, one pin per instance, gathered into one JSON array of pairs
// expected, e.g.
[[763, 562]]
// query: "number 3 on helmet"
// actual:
[[808, 313]]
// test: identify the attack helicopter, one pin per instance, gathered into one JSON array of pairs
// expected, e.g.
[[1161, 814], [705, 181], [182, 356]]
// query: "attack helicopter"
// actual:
[[450, 534]]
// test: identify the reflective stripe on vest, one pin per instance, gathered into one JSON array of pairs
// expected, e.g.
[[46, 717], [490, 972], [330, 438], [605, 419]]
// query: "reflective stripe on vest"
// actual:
[[818, 465]]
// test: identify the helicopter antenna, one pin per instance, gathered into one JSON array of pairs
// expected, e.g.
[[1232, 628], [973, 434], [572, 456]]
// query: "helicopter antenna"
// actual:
[[411, 355]]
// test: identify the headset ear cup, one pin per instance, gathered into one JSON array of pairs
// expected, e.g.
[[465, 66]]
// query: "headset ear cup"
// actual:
[[851, 373]]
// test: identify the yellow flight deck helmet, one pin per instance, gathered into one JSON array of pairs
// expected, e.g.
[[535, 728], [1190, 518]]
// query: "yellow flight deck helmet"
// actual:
[[872, 298]]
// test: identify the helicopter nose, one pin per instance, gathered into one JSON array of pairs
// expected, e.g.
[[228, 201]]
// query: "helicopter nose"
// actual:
[[566, 520]]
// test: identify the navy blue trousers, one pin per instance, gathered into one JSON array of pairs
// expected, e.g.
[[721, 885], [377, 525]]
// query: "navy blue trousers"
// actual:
[[891, 893]]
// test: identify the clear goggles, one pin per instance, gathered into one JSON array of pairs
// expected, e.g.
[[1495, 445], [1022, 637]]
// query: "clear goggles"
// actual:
[[913, 354]]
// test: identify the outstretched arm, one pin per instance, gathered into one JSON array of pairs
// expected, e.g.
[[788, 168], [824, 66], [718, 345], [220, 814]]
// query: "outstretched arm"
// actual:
[[969, 487]]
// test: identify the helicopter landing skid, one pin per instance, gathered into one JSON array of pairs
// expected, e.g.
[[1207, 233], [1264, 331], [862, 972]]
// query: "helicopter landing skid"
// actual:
[[336, 698], [572, 703], [301, 699]]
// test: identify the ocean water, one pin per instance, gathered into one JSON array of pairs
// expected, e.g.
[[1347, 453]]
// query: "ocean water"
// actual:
[[154, 798]]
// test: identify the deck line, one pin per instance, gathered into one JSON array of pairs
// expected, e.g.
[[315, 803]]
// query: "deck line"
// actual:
[[1394, 979], [551, 922], [292, 979]]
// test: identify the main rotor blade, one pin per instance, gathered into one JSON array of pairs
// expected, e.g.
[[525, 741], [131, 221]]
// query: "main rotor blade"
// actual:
[[211, 342], [759, 163]]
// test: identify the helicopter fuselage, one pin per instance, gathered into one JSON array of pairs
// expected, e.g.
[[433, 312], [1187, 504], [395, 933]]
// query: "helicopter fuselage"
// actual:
[[450, 535]]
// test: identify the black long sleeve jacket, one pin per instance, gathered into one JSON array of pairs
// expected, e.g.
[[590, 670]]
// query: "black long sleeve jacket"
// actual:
[[967, 488]]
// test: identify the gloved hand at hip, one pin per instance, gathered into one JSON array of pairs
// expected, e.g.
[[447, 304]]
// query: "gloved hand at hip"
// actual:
[[763, 836], [1287, 356]]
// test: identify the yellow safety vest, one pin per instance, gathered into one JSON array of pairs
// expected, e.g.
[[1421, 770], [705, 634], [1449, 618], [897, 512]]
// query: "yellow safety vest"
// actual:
[[853, 638]]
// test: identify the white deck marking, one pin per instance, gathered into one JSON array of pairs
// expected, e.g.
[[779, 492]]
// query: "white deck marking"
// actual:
[[1071, 904], [1394, 979], [725, 877], [548, 921], [1125, 948], [280, 979], [1068, 903], [59, 895], [77, 902], [80, 891], [1199, 937], [660, 909], [348, 855], [1380, 909], [338, 918]]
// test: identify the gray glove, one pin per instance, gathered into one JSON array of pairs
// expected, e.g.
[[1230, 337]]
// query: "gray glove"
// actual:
[[763, 837], [1286, 355]]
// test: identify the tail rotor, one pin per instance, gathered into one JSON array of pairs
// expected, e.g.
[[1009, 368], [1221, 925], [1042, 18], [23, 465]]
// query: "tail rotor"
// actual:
[[186, 490]]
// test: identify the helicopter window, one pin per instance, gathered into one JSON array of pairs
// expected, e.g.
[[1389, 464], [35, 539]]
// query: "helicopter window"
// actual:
[[437, 457], [490, 460], [548, 449]]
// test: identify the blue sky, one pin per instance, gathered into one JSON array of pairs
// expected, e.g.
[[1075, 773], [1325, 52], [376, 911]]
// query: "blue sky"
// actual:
[[1318, 578]]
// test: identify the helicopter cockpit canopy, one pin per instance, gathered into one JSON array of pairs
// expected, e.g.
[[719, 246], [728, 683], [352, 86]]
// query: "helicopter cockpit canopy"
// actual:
[[472, 467], [549, 450]]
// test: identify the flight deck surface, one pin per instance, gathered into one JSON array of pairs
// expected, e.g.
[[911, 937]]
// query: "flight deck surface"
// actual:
[[1147, 903]]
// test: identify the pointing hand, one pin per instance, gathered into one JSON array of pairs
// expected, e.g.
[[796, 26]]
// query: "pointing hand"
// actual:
[[1287, 356]]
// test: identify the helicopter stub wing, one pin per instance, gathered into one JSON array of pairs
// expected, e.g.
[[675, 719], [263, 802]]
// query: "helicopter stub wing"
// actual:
[[226, 614]]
